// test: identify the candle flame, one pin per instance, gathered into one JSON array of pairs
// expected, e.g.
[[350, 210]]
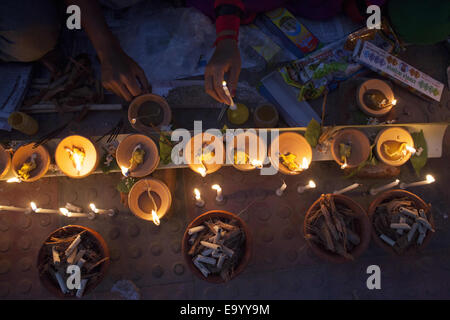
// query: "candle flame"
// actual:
[[216, 187], [305, 163], [65, 212], [197, 194], [256, 163], [13, 180], [430, 178], [202, 171], [394, 102], [312, 184], [344, 165], [77, 159], [125, 171], [411, 149], [155, 218], [93, 208], [33, 206], [224, 83]]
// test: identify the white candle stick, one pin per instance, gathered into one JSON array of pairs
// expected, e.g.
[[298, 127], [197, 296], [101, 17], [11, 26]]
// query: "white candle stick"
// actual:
[[198, 200], [310, 185], [227, 92], [13, 209], [219, 196], [35, 209], [109, 212], [349, 188], [429, 179], [374, 191], [69, 214], [280, 190]]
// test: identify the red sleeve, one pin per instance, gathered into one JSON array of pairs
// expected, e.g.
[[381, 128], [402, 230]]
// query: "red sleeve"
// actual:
[[229, 21]]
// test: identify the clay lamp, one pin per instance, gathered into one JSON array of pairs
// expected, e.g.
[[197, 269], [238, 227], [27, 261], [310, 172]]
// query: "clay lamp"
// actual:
[[290, 153], [350, 147], [76, 156], [5, 161], [137, 155], [266, 116], [200, 152], [394, 146], [148, 111], [30, 164], [242, 157], [150, 199], [375, 98]]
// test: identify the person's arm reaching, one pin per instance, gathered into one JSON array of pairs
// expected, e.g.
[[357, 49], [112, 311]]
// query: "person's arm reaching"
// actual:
[[120, 73], [226, 57]]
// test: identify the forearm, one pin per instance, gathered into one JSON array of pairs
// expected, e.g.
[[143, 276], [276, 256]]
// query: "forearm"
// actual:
[[94, 24]]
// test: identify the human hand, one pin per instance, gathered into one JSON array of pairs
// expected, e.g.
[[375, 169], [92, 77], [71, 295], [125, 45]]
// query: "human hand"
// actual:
[[226, 58], [122, 75]]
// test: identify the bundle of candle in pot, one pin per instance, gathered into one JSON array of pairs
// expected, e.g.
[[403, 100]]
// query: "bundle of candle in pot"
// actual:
[[401, 221], [216, 247], [337, 228], [72, 246]]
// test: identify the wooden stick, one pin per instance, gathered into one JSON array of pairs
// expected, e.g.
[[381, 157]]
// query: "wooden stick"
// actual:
[[323, 106]]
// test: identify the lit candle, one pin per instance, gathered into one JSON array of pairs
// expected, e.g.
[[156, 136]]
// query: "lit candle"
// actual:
[[219, 197], [109, 212], [429, 179], [280, 190], [125, 171], [69, 214], [13, 180], [34, 208], [155, 218], [256, 163], [198, 200], [374, 191], [202, 171], [310, 185], [349, 188], [227, 92], [14, 209], [305, 163]]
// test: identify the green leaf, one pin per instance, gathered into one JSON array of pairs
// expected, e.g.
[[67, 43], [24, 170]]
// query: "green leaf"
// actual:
[[126, 184], [112, 165], [165, 150], [313, 133], [419, 161]]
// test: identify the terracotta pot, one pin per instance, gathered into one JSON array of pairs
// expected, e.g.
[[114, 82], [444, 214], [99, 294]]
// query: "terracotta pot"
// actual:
[[190, 151], [66, 165], [5, 161], [141, 204], [248, 136], [419, 203], [393, 134], [24, 153], [143, 119], [151, 157], [363, 229], [185, 246], [359, 143], [290, 142], [266, 116], [52, 285], [376, 85]]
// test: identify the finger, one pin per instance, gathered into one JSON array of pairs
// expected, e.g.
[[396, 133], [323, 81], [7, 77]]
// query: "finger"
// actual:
[[131, 83], [209, 88], [234, 78], [218, 87], [114, 89], [140, 74], [123, 91]]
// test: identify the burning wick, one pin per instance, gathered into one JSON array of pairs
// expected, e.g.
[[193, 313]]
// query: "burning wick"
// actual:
[[429, 179], [65, 212], [412, 150], [344, 165], [155, 218], [198, 200], [349, 188], [393, 103], [125, 171], [310, 185], [13, 180], [109, 212], [219, 196], [33, 206], [77, 159], [305, 164], [227, 92], [256, 163], [280, 190], [202, 171], [374, 191]]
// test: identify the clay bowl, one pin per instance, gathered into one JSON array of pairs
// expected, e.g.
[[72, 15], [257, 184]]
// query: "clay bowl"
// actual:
[[66, 165], [420, 204], [363, 229], [245, 137], [5, 161], [374, 84], [151, 157], [24, 153], [191, 151], [50, 283], [141, 204], [390, 134], [291, 142], [360, 147], [266, 116], [185, 246], [149, 108]]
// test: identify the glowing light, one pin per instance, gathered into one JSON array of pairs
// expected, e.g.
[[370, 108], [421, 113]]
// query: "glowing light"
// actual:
[[411, 149], [394, 102], [125, 171], [93, 207], [256, 163], [13, 180], [305, 163], [155, 218], [33, 206], [311, 184], [216, 187], [343, 166], [430, 178], [197, 194], [65, 212], [77, 159], [202, 171], [224, 83]]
